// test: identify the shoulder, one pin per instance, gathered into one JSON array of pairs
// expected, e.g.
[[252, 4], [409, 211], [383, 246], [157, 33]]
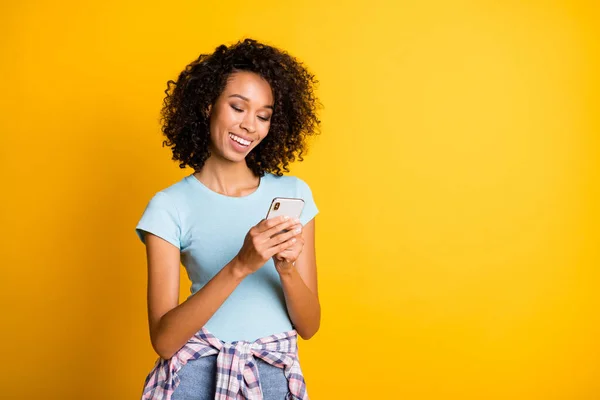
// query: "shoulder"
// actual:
[[290, 186], [288, 181], [179, 188], [172, 196]]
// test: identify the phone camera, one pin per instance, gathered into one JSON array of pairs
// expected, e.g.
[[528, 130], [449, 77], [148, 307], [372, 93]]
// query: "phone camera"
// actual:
[[276, 207]]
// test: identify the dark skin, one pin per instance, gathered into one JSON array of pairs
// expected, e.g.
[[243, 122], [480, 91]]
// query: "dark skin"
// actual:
[[292, 118], [242, 110]]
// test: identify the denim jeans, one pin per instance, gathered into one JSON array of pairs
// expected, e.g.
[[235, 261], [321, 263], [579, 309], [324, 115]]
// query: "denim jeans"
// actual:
[[198, 380]]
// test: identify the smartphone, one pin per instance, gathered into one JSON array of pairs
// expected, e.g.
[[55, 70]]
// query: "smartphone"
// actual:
[[292, 207]]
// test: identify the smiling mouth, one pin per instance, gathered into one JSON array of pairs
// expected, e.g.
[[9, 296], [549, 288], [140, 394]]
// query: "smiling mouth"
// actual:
[[240, 140]]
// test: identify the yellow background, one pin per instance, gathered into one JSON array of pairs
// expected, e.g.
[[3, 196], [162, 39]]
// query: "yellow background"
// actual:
[[457, 177]]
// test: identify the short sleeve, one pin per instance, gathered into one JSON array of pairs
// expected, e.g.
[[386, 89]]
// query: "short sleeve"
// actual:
[[161, 219], [310, 209]]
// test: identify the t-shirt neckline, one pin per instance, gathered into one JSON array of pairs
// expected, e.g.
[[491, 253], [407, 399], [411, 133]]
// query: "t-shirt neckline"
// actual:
[[196, 182]]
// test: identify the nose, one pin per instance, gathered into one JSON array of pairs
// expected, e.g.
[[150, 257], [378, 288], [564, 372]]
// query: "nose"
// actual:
[[248, 123]]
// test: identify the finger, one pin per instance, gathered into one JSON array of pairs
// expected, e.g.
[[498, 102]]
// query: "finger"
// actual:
[[285, 255], [267, 224], [290, 258], [281, 247], [296, 249], [275, 240], [291, 224]]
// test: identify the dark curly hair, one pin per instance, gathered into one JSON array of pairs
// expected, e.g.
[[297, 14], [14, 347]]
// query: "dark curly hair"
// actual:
[[185, 120]]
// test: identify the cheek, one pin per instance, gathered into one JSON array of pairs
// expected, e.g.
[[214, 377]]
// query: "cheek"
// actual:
[[264, 131], [223, 118]]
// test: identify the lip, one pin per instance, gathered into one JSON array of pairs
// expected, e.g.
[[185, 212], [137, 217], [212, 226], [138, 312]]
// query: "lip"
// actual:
[[237, 147], [243, 137]]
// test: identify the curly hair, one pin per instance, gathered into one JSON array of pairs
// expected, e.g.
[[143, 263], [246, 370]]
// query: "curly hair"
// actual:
[[185, 119]]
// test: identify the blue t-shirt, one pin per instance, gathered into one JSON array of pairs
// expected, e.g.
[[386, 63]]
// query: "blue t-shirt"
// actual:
[[209, 229]]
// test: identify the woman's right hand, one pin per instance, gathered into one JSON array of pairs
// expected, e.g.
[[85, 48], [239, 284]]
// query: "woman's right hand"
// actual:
[[263, 241]]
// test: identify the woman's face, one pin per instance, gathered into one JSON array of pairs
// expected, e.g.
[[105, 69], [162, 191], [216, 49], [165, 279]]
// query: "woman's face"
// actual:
[[241, 116]]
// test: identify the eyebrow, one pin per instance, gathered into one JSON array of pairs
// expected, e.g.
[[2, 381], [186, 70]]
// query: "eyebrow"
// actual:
[[248, 100]]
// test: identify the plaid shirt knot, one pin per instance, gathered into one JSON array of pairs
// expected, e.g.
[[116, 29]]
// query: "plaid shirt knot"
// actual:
[[237, 372]]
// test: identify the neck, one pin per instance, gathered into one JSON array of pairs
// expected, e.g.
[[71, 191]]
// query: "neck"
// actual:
[[228, 178]]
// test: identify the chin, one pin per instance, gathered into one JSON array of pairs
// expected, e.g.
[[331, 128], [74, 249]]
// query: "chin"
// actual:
[[236, 157]]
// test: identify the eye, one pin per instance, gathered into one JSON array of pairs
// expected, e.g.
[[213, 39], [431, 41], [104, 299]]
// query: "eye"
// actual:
[[264, 118], [237, 109]]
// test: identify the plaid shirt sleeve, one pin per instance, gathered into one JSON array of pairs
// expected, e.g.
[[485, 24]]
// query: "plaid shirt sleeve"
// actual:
[[237, 375]]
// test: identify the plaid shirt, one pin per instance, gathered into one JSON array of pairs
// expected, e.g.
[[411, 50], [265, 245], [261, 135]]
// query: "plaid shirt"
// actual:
[[237, 374]]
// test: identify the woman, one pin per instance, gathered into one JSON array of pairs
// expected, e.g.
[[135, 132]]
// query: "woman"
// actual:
[[238, 117]]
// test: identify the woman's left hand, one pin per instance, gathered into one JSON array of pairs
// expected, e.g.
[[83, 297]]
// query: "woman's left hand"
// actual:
[[285, 260]]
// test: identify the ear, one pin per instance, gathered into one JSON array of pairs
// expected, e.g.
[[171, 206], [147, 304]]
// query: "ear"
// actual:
[[208, 109]]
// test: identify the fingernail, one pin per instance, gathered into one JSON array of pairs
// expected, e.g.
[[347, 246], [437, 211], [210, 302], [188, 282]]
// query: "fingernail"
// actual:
[[297, 230], [294, 240], [285, 217]]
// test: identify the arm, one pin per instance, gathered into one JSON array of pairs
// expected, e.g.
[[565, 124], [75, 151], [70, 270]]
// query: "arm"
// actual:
[[172, 325], [300, 283]]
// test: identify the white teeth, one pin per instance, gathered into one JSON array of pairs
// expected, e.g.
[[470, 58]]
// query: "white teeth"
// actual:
[[240, 140]]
